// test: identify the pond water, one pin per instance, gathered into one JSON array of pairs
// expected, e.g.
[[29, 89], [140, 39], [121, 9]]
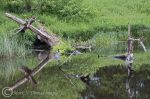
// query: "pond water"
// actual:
[[114, 83], [111, 82]]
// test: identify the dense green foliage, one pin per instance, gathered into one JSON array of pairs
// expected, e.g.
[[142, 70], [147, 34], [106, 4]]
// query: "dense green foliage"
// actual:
[[68, 9], [96, 20], [84, 18], [100, 23]]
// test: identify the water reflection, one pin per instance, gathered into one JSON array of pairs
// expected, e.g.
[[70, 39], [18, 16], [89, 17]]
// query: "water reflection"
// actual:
[[112, 49], [115, 84], [87, 79], [118, 47], [41, 55], [8, 67], [90, 80], [46, 57], [131, 92]]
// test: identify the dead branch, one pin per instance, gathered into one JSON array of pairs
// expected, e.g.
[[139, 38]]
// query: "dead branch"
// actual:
[[51, 40]]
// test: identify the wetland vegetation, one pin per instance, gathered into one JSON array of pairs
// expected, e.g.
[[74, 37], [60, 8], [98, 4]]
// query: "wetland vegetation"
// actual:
[[103, 24]]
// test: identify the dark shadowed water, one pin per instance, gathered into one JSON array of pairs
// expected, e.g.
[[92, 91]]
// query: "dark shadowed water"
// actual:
[[114, 83]]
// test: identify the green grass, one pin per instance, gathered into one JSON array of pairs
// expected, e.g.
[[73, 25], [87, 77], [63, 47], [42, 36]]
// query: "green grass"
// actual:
[[107, 24], [108, 15], [11, 44], [10, 47]]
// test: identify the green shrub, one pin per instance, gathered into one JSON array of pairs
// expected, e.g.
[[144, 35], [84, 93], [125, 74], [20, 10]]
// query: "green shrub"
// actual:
[[63, 46], [64, 9], [19, 6], [74, 10]]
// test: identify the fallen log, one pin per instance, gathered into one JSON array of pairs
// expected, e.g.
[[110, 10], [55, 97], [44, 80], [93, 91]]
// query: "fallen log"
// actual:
[[18, 20], [51, 40]]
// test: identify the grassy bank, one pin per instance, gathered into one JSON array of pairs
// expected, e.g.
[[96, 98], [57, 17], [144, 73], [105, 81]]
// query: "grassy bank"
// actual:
[[108, 15], [80, 20]]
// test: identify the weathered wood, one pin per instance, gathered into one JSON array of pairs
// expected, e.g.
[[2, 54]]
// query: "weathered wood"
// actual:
[[14, 18], [45, 37], [129, 31], [33, 73], [131, 41], [51, 41]]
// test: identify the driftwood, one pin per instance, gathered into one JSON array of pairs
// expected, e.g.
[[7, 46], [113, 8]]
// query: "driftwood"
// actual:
[[32, 73], [51, 40]]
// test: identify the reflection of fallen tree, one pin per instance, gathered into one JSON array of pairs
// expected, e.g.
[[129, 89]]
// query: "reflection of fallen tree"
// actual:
[[84, 47], [27, 77]]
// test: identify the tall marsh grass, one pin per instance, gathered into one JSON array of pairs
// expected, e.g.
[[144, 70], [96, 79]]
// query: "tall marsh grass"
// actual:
[[109, 42], [10, 47]]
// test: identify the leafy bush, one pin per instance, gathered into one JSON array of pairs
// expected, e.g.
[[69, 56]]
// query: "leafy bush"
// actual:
[[64, 9], [73, 10], [63, 46], [19, 6]]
